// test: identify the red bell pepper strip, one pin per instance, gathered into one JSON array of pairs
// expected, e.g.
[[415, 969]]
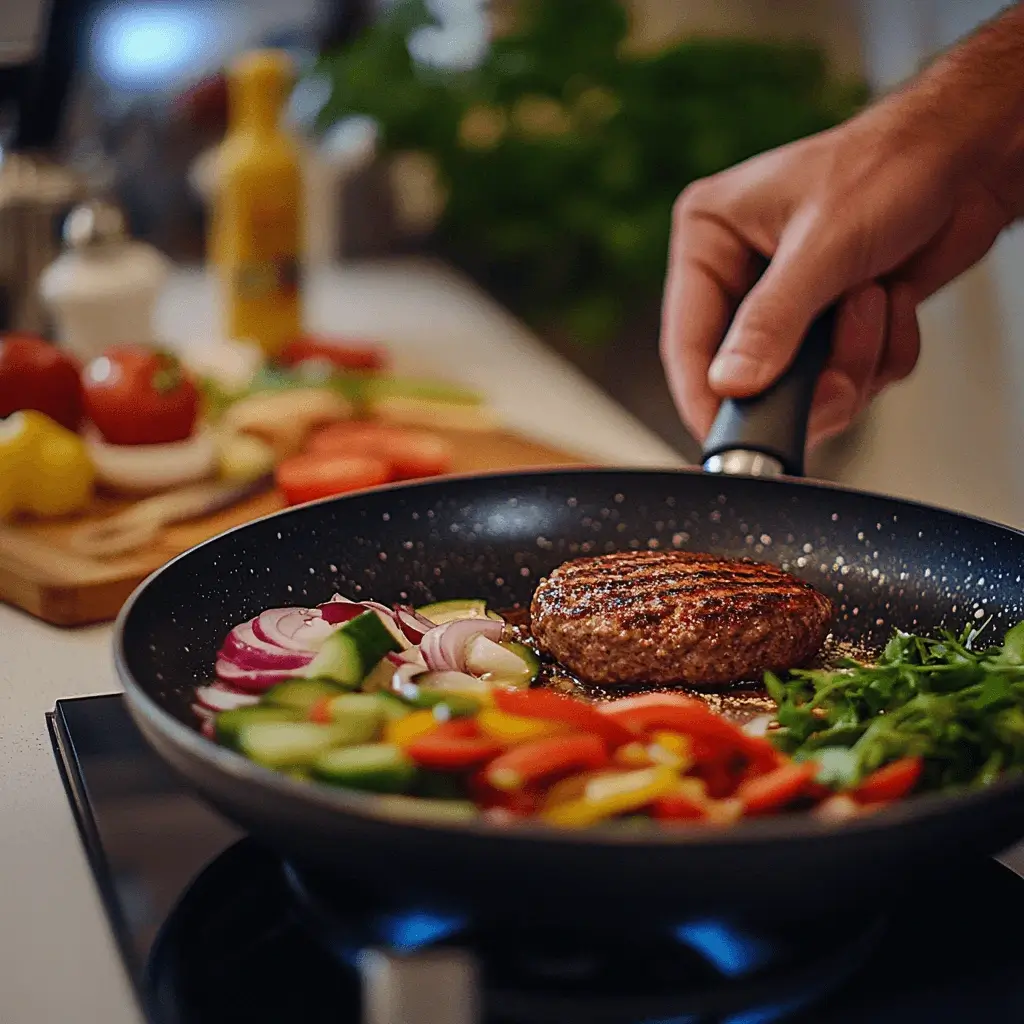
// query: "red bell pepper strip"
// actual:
[[678, 807], [777, 788], [453, 746], [675, 714], [531, 763], [520, 803], [889, 783], [558, 708]]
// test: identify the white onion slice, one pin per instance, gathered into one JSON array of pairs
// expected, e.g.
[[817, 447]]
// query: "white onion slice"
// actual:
[[143, 468], [457, 682]]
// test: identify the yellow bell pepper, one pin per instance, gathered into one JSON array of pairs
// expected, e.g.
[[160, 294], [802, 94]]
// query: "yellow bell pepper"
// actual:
[[511, 729], [400, 732], [611, 795], [44, 468]]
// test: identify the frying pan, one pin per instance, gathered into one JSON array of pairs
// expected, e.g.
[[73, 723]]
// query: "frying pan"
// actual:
[[886, 563]]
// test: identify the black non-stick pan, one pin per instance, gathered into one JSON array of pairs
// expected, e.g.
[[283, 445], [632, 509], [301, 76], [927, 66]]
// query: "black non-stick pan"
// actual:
[[885, 563]]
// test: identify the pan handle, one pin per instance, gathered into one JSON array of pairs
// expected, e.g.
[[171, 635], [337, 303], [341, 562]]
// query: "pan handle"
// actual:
[[766, 435]]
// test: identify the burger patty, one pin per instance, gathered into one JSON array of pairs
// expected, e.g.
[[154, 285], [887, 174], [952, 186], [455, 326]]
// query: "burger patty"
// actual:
[[676, 617]]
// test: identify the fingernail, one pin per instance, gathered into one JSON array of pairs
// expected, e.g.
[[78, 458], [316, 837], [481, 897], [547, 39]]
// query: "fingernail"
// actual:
[[735, 370]]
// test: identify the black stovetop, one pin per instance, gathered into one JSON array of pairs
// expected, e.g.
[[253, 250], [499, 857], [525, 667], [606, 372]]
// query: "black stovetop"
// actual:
[[214, 928]]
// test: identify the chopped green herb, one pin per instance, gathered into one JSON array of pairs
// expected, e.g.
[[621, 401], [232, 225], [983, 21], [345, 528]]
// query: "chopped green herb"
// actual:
[[957, 705]]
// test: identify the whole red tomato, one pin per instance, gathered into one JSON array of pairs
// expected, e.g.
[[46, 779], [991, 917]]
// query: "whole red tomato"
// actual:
[[36, 375], [134, 395]]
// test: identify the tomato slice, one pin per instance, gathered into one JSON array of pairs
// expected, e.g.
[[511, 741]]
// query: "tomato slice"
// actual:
[[309, 477], [346, 354], [889, 783], [777, 788], [412, 453]]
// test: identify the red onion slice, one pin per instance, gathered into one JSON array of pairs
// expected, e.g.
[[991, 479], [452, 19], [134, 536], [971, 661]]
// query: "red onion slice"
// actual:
[[217, 698], [294, 629], [337, 612], [259, 654], [251, 680], [412, 624], [457, 635]]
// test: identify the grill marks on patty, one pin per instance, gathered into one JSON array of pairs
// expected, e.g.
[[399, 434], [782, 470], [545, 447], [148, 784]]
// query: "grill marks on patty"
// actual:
[[675, 616]]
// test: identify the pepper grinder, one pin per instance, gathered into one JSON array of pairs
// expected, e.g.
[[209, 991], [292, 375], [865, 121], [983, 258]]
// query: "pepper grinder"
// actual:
[[102, 289]]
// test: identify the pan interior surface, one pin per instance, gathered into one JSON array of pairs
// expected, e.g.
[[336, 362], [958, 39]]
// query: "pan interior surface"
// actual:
[[884, 563]]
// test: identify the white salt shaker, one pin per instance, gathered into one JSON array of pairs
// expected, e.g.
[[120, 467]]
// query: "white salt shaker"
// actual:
[[101, 291]]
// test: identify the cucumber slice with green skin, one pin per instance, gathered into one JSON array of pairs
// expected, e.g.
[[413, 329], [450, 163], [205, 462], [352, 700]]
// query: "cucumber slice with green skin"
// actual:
[[374, 767], [529, 657], [393, 706], [228, 724], [359, 715], [353, 650], [441, 612], [379, 677], [500, 664], [300, 694], [444, 703], [284, 745]]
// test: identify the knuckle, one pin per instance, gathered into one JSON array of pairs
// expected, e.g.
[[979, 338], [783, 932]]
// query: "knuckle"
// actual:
[[697, 198]]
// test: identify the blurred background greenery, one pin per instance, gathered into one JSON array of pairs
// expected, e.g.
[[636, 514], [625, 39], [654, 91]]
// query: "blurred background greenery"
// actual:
[[554, 161]]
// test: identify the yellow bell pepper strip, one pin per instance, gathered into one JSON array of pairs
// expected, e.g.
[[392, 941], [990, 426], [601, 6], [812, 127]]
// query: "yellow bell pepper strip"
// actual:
[[510, 729], [44, 468], [531, 763], [672, 749], [402, 731], [613, 795]]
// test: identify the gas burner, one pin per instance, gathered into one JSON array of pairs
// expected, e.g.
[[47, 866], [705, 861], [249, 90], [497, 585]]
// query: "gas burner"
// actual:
[[288, 947], [708, 969]]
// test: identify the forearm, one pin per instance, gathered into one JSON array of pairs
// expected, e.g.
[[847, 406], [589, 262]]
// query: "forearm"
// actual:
[[972, 97]]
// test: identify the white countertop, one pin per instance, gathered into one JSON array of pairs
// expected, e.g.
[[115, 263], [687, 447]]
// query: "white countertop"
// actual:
[[58, 962]]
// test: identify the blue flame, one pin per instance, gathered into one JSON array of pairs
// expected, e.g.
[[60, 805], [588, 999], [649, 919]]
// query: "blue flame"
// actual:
[[418, 928], [767, 1014], [733, 952]]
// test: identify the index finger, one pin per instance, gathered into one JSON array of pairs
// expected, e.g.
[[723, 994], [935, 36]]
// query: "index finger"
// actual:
[[708, 273]]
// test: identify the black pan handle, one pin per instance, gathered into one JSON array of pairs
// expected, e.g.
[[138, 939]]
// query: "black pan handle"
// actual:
[[750, 434]]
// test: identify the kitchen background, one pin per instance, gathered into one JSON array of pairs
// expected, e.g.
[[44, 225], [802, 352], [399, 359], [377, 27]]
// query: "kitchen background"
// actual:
[[143, 118]]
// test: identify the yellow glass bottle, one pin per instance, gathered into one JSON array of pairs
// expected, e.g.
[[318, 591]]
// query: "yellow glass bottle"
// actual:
[[255, 240]]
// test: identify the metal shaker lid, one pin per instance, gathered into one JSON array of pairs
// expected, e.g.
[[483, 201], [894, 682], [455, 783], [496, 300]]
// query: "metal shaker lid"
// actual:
[[94, 223]]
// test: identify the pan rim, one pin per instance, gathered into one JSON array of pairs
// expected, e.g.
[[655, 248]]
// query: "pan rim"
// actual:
[[799, 826]]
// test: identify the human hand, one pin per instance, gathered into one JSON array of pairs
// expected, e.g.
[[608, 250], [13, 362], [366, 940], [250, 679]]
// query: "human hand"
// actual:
[[878, 213]]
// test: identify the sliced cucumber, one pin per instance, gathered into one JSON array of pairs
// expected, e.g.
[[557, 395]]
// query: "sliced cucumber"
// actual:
[[394, 707], [353, 650], [529, 658], [441, 612], [500, 664], [376, 767], [287, 744], [300, 694], [360, 716], [379, 677], [228, 724], [457, 705]]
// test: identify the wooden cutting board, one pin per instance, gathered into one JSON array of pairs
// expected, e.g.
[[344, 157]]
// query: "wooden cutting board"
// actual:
[[41, 574]]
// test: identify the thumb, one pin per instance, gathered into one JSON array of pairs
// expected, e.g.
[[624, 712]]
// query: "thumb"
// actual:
[[773, 319]]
